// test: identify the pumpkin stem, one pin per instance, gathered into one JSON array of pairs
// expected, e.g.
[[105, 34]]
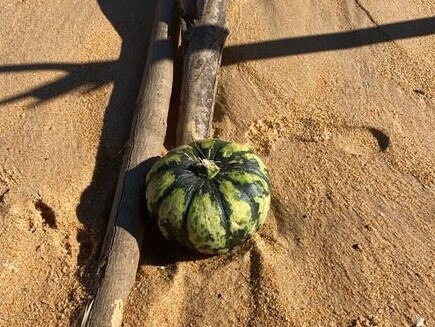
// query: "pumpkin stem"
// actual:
[[211, 168]]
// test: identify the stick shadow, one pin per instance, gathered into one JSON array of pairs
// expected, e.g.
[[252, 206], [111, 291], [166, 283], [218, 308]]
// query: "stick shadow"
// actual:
[[99, 73], [133, 22]]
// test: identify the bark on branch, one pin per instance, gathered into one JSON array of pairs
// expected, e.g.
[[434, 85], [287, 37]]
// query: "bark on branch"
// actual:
[[204, 34]]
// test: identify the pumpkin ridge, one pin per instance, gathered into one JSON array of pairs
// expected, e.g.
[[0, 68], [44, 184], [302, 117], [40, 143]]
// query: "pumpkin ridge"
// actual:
[[152, 205], [198, 149], [203, 237], [250, 198], [217, 146], [226, 170], [232, 157], [158, 203], [258, 191], [224, 215], [245, 192], [266, 191], [239, 158], [184, 164], [178, 183], [236, 233], [236, 155], [171, 160], [189, 197]]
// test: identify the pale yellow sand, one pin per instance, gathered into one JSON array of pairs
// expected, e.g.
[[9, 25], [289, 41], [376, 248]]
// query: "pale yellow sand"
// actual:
[[347, 133]]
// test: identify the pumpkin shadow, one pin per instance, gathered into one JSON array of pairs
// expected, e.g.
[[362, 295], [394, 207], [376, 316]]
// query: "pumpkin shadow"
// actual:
[[158, 251]]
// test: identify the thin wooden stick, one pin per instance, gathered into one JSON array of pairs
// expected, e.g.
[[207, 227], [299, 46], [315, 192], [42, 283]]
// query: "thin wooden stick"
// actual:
[[203, 41], [121, 248]]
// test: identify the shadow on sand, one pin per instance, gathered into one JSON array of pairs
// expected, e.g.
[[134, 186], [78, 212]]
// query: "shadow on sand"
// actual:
[[133, 21]]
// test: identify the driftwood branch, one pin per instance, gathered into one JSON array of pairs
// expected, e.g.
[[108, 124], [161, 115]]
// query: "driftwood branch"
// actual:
[[203, 38], [121, 248]]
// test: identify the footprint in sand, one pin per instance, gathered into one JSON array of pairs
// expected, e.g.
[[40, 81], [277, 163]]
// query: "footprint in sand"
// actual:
[[361, 141], [356, 140]]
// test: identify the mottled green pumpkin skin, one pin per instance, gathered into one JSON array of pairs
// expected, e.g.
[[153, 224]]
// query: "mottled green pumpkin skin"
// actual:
[[210, 195]]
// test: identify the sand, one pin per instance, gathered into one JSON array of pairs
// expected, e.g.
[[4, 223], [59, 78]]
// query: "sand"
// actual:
[[344, 123]]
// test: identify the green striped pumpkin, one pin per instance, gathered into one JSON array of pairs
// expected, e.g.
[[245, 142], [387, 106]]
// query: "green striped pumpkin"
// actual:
[[210, 195]]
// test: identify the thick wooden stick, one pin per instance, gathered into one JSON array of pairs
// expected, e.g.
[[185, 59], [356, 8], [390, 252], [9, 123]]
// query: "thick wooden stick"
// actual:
[[203, 40], [121, 248]]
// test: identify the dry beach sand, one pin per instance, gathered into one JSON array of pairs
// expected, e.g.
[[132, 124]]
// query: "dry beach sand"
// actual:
[[345, 123]]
